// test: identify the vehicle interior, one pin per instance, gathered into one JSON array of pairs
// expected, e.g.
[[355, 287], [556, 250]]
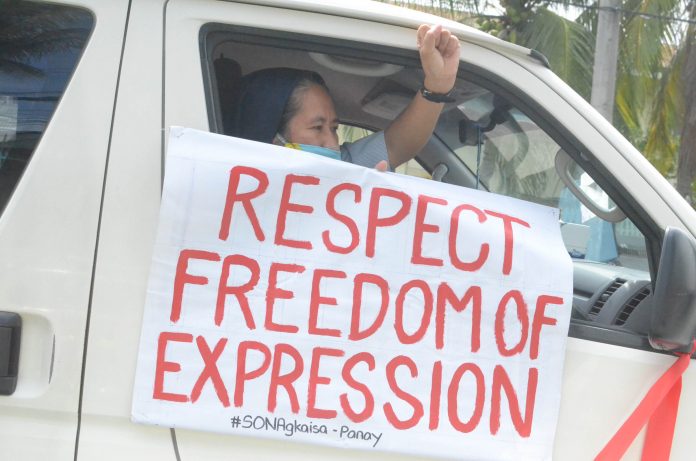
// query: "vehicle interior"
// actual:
[[489, 138]]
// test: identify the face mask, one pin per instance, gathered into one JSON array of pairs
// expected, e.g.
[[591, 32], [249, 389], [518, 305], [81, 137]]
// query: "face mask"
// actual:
[[323, 151]]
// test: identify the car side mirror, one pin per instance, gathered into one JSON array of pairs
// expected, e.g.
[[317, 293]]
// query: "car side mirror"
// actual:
[[673, 321]]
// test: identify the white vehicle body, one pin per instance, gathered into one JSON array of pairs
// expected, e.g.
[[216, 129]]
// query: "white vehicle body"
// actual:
[[77, 234]]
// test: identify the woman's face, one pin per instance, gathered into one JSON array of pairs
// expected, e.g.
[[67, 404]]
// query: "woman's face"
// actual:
[[315, 122]]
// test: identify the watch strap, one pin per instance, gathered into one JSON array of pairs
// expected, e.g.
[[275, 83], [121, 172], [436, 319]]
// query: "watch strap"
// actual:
[[436, 97]]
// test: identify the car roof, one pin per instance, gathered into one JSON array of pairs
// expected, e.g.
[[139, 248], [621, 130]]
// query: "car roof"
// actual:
[[398, 16]]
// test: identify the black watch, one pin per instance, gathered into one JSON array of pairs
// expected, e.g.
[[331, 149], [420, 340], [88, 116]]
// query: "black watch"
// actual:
[[436, 97]]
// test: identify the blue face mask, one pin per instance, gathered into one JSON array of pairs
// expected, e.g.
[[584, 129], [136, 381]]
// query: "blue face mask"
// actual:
[[323, 151]]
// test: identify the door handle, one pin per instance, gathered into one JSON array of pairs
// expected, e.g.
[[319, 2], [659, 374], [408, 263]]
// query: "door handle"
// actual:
[[10, 335]]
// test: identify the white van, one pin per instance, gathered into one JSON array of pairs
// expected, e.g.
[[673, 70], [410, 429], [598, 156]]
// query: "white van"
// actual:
[[88, 89]]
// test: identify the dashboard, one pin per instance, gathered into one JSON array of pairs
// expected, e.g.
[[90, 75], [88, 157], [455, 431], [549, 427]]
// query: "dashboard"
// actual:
[[611, 295]]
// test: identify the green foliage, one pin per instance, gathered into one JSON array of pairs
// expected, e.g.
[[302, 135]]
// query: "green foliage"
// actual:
[[661, 136], [567, 45], [650, 94], [649, 98]]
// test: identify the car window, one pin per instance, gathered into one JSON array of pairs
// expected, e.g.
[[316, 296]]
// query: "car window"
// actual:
[[39, 49], [481, 136], [511, 155], [350, 133]]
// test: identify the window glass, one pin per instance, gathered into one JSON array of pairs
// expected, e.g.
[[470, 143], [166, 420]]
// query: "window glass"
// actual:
[[348, 133], [39, 48], [510, 155], [482, 140]]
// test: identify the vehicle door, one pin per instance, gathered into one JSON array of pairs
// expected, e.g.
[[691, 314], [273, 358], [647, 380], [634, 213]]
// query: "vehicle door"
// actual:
[[58, 76], [614, 240], [516, 120], [609, 363], [130, 206]]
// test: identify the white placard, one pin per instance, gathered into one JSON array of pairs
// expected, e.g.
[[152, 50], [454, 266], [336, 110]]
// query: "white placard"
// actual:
[[301, 298]]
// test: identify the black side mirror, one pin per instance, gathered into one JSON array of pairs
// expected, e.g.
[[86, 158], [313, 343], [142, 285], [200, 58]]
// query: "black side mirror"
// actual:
[[673, 321]]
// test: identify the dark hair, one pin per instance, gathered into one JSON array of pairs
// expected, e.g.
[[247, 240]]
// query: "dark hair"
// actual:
[[268, 99], [294, 103]]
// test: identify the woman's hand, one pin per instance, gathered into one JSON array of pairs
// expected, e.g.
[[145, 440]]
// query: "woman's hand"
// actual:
[[382, 166], [439, 54]]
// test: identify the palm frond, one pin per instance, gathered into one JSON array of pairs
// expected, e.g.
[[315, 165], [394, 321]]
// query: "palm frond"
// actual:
[[646, 92], [662, 141], [588, 19], [568, 46]]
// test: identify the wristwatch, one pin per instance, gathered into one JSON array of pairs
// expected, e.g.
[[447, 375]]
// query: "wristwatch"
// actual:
[[436, 97]]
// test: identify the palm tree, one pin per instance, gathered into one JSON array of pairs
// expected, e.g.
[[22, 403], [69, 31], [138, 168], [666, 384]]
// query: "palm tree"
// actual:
[[568, 45], [656, 83], [656, 86], [686, 169]]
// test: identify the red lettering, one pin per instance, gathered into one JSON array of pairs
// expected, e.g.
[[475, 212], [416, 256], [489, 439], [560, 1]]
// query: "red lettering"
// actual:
[[445, 295], [508, 221], [373, 219], [238, 291], [315, 380], [210, 371], [435, 393], [404, 337], [501, 380], [454, 228], [346, 220], [286, 380], [354, 416], [245, 199], [182, 277], [421, 228], [541, 319], [162, 366], [317, 300], [403, 395], [242, 374], [274, 293], [453, 395], [287, 206], [359, 281], [522, 316]]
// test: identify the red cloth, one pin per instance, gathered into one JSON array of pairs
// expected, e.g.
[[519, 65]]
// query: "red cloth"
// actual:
[[658, 410]]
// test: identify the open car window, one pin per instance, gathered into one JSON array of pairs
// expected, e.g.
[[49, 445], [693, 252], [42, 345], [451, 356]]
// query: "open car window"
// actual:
[[482, 140], [348, 133]]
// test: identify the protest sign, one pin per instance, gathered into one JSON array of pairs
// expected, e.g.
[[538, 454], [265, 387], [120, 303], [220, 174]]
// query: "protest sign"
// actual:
[[297, 297]]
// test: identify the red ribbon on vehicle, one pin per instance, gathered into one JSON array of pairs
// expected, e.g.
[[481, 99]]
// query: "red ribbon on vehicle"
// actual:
[[658, 410]]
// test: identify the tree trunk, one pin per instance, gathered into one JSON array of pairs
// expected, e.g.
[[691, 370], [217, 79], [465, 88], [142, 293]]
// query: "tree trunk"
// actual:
[[686, 167]]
